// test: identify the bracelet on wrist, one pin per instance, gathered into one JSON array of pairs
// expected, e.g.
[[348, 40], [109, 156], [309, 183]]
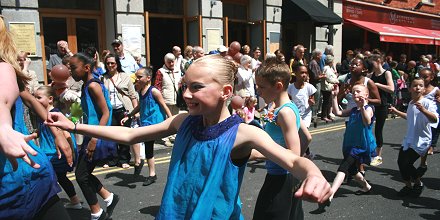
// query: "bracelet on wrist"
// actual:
[[74, 128]]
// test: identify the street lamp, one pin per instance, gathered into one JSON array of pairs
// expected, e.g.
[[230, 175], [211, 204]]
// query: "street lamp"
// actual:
[[418, 6]]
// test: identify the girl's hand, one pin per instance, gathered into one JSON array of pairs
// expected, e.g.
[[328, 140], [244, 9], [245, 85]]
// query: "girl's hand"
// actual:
[[13, 145], [311, 102], [347, 88], [335, 90], [57, 119], [124, 120], [91, 146], [314, 188]]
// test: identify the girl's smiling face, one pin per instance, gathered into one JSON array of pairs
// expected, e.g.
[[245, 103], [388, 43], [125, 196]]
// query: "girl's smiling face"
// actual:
[[202, 93]]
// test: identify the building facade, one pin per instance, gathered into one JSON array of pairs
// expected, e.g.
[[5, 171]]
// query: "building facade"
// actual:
[[149, 28], [394, 26]]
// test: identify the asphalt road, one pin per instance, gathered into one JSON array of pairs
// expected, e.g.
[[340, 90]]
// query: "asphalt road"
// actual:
[[142, 202]]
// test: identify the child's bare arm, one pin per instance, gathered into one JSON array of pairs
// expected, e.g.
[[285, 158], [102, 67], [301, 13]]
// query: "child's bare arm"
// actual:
[[367, 113], [286, 119], [399, 113], [335, 105], [429, 113], [159, 98], [315, 187]]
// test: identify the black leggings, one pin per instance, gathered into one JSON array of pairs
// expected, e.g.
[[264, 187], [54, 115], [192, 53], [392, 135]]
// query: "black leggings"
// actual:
[[123, 150], [406, 161], [380, 112], [66, 184], [149, 149], [276, 200], [53, 209], [89, 184], [326, 104], [349, 166]]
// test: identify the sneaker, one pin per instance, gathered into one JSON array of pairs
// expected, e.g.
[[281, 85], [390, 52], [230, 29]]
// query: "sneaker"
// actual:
[[404, 191], [168, 143], [112, 206], [70, 205], [103, 216], [376, 161], [150, 180], [417, 190]]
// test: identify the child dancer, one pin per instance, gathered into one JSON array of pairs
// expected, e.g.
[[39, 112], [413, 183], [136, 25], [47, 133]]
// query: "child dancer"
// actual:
[[276, 200], [97, 108], [153, 110], [421, 115], [211, 150], [302, 94], [359, 144], [46, 96]]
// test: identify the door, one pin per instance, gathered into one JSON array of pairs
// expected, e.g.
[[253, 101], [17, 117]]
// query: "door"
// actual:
[[80, 32]]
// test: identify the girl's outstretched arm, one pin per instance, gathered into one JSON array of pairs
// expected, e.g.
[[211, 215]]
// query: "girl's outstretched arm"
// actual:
[[315, 187], [118, 133]]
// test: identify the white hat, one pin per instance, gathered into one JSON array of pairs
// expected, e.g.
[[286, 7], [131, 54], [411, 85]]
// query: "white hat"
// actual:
[[222, 49]]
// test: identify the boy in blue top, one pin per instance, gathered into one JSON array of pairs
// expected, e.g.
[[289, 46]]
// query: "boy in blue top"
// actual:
[[276, 200], [153, 110]]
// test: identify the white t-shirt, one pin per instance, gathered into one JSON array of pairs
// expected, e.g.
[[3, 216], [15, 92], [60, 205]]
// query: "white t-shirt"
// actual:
[[418, 134], [301, 99], [128, 64], [245, 79]]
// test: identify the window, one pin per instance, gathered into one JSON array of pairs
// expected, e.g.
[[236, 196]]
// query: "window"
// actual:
[[71, 4], [174, 7], [235, 11]]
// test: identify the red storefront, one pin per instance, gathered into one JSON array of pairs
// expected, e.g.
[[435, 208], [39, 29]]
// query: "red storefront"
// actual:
[[368, 26]]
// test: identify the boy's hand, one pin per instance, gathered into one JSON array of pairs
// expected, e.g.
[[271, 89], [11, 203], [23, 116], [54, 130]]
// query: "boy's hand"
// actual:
[[419, 106], [392, 109], [314, 189]]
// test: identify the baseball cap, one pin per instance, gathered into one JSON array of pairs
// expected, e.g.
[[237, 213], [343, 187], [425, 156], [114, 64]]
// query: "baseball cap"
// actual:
[[116, 41], [222, 49]]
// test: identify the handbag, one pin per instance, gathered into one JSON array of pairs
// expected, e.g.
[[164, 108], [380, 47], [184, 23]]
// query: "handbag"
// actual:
[[180, 102]]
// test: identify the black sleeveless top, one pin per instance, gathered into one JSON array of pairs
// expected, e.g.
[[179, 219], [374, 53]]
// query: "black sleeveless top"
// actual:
[[385, 97]]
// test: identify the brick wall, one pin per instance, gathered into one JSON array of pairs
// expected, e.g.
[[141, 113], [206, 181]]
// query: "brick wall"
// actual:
[[432, 8]]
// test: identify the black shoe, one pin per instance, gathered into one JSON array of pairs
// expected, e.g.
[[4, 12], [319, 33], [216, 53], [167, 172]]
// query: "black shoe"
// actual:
[[104, 216], [112, 206], [404, 191], [417, 190], [138, 168], [360, 192], [321, 206], [150, 180]]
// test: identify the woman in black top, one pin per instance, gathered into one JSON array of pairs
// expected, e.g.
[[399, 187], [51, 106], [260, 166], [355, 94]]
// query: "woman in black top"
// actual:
[[384, 82]]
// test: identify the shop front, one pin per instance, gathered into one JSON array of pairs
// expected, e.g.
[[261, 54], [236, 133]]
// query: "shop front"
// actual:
[[395, 31]]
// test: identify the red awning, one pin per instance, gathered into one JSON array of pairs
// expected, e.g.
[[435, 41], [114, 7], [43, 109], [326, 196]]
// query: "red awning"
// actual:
[[430, 33], [394, 33]]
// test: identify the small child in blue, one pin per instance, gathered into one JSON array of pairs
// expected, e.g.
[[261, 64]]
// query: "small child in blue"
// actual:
[[46, 96], [421, 115], [211, 150], [153, 110], [359, 144]]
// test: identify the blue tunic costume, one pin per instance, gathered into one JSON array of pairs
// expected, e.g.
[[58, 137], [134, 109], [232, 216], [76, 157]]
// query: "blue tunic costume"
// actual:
[[47, 145], [92, 116], [150, 111], [359, 141], [25, 191], [276, 134], [203, 182]]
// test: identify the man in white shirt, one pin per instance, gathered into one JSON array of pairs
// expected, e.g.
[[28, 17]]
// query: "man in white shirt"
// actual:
[[128, 63]]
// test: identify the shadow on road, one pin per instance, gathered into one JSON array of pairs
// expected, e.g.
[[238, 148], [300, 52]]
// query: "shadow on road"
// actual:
[[127, 179], [150, 210]]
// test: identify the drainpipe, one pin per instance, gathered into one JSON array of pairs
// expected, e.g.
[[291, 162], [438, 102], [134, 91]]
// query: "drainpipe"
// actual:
[[330, 27]]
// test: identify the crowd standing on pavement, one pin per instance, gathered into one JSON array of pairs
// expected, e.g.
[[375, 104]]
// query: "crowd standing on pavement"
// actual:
[[280, 99]]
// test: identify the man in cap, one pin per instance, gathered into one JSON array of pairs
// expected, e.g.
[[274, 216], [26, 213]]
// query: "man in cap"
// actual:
[[128, 63]]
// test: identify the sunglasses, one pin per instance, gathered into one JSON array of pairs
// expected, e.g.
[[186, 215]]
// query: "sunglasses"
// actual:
[[111, 63]]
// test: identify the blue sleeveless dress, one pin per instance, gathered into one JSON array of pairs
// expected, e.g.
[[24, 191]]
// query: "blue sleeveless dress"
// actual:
[[92, 115], [150, 111], [276, 134], [24, 192], [47, 145], [359, 141], [203, 183]]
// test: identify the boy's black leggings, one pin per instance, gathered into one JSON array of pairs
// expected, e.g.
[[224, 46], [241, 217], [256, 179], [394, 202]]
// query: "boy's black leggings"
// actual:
[[406, 161]]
